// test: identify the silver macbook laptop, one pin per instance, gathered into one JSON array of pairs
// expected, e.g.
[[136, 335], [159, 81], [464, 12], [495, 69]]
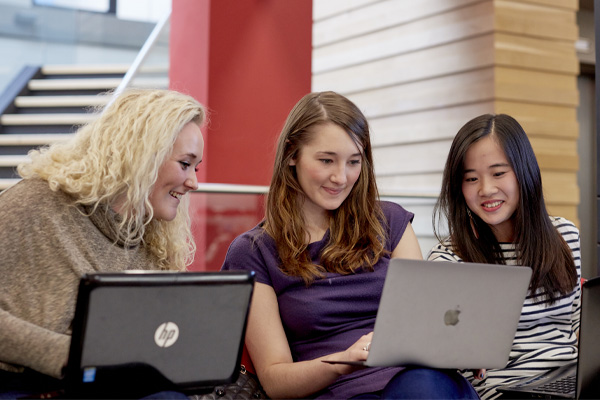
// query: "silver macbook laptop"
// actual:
[[447, 315], [138, 333], [580, 379]]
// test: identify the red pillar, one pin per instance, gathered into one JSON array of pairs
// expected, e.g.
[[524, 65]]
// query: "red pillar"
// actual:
[[249, 62]]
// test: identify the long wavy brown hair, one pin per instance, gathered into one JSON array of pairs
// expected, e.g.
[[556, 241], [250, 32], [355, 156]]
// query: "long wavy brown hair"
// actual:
[[537, 242], [357, 235]]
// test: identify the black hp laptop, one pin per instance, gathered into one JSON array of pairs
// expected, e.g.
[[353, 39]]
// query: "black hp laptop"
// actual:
[[144, 332], [579, 379]]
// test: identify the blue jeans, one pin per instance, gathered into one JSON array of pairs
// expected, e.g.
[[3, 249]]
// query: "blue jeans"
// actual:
[[31, 383], [425, 383]]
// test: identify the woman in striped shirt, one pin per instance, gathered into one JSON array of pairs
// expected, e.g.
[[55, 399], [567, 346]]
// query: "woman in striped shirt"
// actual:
[[493, 203]]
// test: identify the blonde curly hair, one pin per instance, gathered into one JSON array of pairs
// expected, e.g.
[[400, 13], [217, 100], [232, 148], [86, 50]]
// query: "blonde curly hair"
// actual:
[[116, 157]]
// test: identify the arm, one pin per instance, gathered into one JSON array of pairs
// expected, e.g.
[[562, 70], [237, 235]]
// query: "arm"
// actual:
[[37, 282], [408, 246], [26, 344], [267, 344]]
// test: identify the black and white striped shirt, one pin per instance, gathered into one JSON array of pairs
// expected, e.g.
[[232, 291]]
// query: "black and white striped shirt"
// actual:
[[546, 336]]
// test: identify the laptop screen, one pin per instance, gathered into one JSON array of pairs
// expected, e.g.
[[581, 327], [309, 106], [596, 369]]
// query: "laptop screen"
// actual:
[[159, 330]]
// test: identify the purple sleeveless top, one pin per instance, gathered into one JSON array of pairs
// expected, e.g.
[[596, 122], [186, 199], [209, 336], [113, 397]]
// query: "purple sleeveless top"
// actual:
[[333, 312]]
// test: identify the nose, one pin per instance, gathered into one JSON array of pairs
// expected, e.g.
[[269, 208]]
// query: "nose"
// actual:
[[338, 175], [192, 181], [487, 187]]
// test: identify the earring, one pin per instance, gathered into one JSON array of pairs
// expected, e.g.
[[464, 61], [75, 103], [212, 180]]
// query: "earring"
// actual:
[[472, 222]]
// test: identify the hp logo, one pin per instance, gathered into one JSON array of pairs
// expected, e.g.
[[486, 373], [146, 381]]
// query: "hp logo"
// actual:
[[166, 334]]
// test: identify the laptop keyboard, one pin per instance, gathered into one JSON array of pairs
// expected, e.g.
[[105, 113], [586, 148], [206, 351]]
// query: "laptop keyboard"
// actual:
[[563, 385]]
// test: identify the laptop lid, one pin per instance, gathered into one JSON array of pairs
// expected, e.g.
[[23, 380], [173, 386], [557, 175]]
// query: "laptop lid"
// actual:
[[152, 331], [580, 379], [448, 315], [588, 361]]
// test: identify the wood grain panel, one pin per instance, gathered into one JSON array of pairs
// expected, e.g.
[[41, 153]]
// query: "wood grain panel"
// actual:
[[555, 154], [329, 8], [529, 19], [571, 5], [416, 158], [535, 86], [452, 58], [424, 126], [374, 16], [560, 187], [436, 30], [426, 183], [542, 119], [568, 212], [535, 53], [466, 88]]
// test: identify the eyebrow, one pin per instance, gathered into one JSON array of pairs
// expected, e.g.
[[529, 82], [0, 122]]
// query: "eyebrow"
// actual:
[[490, 167], [333, 153], [192, 155]]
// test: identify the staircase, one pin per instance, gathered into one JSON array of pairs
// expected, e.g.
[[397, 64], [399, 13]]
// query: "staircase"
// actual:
[[46, 104]]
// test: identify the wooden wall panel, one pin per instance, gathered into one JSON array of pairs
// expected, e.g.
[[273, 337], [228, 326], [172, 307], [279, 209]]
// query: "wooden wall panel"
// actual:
[[414, 66], [537, 20], [435, 30], [542, 119], [534, 53], [421, 69], [362, 17], [445, 91], [330, 8], [424, 126], [535, 87]]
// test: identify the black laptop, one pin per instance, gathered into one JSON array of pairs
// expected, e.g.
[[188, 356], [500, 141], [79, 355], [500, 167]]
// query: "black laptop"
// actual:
[[581, 378], [138, 333]]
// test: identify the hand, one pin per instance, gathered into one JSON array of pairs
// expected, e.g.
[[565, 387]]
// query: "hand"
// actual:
[[479, 373], [358, 351]]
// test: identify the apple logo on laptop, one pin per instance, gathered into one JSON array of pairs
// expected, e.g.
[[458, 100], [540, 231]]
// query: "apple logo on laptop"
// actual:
[[451, 316], [166, 334]]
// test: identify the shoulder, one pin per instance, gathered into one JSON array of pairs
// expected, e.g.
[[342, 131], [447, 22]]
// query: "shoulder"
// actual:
[[34, 198], [250, 238], [249, 245], [566, 228], [394, 211], [563, 224], [256, 251], [443, 252]]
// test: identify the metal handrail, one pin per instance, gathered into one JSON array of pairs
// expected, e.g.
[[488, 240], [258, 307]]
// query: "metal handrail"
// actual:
[[141, 57], [230, 188], [257, 189]]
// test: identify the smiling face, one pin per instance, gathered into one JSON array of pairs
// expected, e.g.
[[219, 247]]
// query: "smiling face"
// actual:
[[177, 175], [327, 167], [490, 187]]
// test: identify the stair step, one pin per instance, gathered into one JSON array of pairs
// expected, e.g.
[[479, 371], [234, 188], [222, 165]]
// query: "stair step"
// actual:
[[13, 161], [102, 69], [74, 84], [46, 119], [71, 69], [33, 139], [6, 183], [94, 83], [61, 101]]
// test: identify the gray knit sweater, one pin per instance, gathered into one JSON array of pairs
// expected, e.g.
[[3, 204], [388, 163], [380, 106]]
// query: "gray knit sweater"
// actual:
[[46, 244]]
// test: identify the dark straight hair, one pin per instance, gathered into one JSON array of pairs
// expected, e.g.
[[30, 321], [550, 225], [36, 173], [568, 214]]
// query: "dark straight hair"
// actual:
[[537, 242]]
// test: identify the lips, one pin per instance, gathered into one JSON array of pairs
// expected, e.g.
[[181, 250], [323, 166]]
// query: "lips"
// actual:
[[176, 195], [492, 205], [333, 192]]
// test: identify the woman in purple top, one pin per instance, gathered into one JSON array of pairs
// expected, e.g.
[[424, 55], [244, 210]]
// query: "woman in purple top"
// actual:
[[320, 257]]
